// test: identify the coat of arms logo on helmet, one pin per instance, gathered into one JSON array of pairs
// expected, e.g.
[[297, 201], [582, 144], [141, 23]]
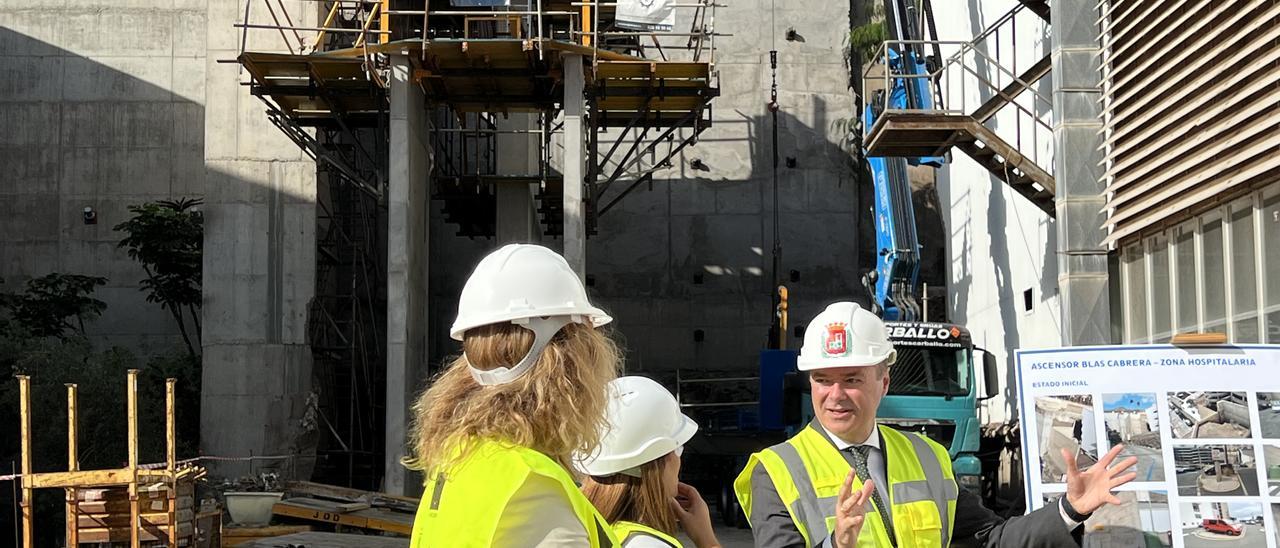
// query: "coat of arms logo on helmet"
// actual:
[[836, 340]]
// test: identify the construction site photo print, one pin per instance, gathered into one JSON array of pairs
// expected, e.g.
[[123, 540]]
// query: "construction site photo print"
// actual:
[[1271, 463], [1132, 420], [1223, 524], [1275, 518], [1216, 470], [1269, 414], [1065, 422], [1141, 520], [1209, 415]]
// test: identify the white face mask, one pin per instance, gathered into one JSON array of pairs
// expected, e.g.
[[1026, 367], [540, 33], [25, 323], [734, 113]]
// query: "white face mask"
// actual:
[[679, 450]]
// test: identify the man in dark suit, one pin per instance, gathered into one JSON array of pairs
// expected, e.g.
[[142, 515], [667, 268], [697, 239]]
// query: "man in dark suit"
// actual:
[[845, 482]]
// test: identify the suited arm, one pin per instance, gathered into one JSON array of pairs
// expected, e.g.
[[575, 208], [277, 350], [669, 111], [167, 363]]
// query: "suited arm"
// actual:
[[771, 523], [975, 525]]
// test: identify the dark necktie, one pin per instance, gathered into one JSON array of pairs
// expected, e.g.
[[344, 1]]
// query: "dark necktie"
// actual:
[[859, 462]]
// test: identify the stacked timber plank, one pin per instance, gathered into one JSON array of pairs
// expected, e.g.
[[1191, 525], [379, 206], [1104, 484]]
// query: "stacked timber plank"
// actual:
[[103, 514]]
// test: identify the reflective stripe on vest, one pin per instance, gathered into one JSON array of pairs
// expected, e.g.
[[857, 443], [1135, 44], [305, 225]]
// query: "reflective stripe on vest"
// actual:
[[464, 505], [625, 529], [808, 471]]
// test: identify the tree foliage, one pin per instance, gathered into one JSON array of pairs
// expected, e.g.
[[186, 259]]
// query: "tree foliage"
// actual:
[[55, 305], [167, 238]]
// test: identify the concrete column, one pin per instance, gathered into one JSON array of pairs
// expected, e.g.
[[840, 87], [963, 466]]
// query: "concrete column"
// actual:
[[259, 268], [1082, 260], [517, 217], [575, 234], [407, 213]]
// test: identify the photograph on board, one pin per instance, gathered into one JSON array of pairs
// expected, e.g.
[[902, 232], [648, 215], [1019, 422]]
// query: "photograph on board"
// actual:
[[1271, 463], [1065, 422], [1216, 470], [1275, 518], [1209, 415], [1269, 414], [1132, 420], [1141, 519], [1223, 524]]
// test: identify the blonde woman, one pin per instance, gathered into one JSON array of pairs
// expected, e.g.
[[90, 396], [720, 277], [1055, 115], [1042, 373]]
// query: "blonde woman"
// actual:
[[633, 478], [495, 434]]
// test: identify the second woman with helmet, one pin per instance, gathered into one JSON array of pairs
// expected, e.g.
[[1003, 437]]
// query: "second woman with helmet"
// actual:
[[633, 478]]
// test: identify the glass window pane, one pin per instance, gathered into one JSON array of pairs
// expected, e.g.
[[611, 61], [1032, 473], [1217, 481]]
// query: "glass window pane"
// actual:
[[1271, 247], [1160, 309], [1244, 278], [1214, 300], [1184, 245], [1271, 264], [1273, 327], [1135, 274]]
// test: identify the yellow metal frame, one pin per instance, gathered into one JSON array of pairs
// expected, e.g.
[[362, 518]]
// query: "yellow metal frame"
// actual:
[[74, 479]]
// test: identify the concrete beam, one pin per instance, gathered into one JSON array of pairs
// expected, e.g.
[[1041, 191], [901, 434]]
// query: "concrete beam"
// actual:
[[575, 234], [407, 242]]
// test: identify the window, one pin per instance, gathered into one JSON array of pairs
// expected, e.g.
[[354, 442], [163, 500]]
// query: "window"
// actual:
[[1184, 252], [1216, 273], [1244, 279], [1270, 224], [1135, 280], [1214, 299], [1161, 318]]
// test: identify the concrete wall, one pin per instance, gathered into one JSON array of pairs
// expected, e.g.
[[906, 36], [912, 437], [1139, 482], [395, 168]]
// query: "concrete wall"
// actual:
[[259, 271], [1000, 245], [693, 250], [102, 106]]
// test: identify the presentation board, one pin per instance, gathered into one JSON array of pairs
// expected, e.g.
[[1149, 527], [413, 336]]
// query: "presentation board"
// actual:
[[1203, 421]]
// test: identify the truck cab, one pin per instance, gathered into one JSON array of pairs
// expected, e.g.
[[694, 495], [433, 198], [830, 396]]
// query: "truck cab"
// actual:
[[933, 391]]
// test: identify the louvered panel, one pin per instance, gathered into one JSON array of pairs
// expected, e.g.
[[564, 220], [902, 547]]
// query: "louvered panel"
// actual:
[[1200, 64], [1184, 12], [1172, 113], [1189, 106], [1250, 119], [1162, 52]]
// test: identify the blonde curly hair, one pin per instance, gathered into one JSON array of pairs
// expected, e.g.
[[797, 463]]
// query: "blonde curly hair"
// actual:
[[556, 408]]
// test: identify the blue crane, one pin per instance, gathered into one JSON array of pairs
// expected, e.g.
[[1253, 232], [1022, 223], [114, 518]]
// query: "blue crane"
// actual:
[[892, 284]]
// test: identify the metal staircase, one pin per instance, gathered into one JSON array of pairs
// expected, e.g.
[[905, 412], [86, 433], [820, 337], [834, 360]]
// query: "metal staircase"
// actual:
[[1004, 133]]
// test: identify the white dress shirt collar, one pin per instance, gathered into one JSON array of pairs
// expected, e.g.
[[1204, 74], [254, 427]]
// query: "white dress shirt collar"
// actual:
[[873, 440]]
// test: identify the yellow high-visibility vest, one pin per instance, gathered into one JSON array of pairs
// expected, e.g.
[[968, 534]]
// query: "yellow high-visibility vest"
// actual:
[[461, 507], [625, 529], [808, 471]]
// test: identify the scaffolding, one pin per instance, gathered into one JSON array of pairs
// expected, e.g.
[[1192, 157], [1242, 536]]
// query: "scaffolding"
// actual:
[[647, 94]]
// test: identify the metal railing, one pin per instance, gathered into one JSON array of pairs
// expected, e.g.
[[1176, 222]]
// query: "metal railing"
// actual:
[[971, 74], [363, 23]]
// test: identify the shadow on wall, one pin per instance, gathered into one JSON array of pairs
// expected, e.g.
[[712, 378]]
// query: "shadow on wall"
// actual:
[[999, 207], [685, 263], [79, 132]]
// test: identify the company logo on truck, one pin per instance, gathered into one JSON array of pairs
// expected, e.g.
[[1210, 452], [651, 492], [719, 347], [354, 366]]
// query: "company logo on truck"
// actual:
[[927, 334], [923, 332]]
